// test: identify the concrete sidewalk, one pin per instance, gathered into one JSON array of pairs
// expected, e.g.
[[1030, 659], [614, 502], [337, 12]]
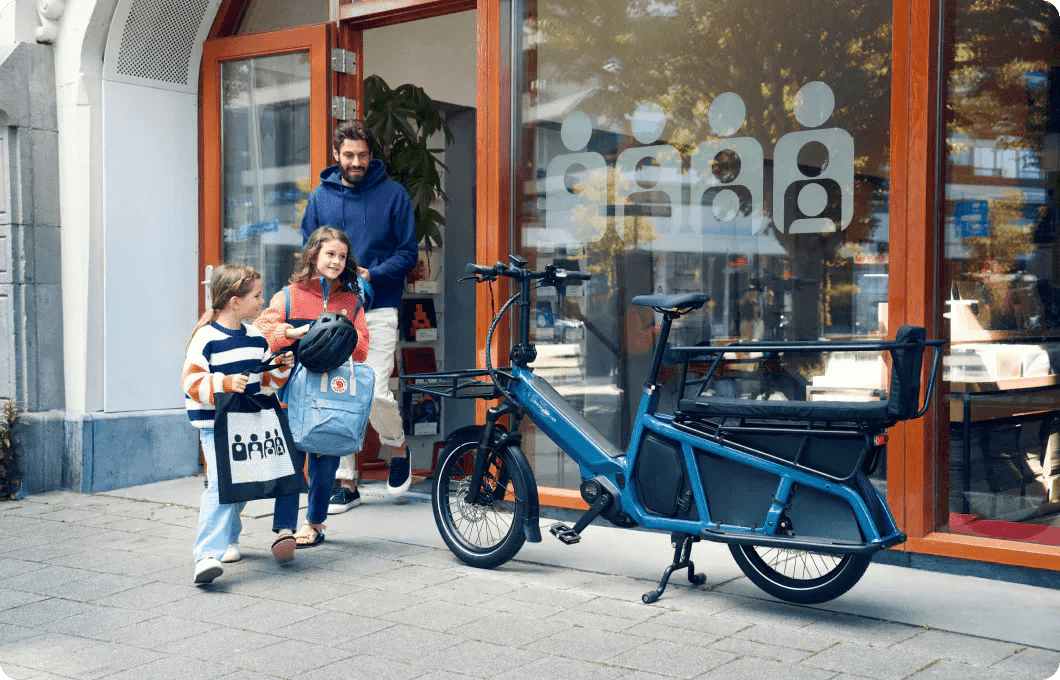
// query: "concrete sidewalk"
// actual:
[[100, 586]]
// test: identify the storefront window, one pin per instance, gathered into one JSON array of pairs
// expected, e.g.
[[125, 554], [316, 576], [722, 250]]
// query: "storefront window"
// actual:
[[1002, 267], [739, 149], [266, 163]]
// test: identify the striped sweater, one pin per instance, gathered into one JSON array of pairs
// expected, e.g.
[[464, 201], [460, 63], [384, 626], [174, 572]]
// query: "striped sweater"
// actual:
[[215, 356]]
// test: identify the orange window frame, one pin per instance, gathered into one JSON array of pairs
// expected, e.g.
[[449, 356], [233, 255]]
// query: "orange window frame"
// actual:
[[312, 39], [917, 484]]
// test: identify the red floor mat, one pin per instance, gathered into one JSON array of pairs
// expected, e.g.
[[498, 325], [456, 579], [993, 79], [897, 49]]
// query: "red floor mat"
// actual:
[[1010, 531]]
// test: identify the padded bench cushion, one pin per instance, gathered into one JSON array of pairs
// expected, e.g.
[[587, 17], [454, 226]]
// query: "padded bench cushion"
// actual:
[[858, 411]]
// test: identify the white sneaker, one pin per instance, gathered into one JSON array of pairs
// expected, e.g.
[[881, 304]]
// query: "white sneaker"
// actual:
[[207, 569], [232, 554]]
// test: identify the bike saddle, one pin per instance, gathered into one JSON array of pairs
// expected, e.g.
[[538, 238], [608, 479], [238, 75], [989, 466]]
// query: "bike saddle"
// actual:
[[682, 304]]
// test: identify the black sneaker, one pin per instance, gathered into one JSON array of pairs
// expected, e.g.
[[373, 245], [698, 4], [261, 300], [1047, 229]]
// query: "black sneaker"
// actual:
[[342, 499], [400, 475]]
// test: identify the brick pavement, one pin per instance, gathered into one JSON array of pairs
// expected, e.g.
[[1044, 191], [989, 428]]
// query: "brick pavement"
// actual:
[[100, 586]]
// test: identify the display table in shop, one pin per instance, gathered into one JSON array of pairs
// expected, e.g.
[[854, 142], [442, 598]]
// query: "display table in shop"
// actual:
[[1017, 400]]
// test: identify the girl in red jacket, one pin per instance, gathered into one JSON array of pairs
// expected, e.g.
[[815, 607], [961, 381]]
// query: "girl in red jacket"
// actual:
[[325, 281]]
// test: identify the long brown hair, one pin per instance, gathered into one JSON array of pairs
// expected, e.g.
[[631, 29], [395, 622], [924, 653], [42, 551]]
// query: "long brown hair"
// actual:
[[306, 270], [228, 281]]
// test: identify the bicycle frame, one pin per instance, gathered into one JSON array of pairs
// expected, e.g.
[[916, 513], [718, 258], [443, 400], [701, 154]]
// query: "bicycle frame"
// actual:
[[687, 474]]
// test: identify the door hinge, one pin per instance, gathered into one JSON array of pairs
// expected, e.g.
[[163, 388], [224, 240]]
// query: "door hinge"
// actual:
[[344, 61], [343, 108]]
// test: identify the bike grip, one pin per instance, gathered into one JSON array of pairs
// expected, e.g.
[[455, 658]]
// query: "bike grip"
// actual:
[[568, 274], [473, 268]]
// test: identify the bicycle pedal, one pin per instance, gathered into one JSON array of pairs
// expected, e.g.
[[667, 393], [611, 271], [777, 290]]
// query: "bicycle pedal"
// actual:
[[565, 533]]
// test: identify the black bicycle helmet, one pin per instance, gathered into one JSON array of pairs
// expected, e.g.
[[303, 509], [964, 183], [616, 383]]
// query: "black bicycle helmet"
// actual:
[[328, 344]]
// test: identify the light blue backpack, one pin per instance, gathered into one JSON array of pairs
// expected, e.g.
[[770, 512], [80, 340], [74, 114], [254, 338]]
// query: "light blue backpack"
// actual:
[[328, 412]]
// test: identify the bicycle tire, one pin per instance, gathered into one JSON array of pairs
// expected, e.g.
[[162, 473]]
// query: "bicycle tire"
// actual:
[[800, 576], [483, 535]]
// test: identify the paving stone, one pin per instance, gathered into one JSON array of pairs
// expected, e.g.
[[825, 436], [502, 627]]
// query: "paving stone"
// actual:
[[747, 667], [288, 657], [137, 565], [587, 644], [405, 643], [774, 613], [445, 594], [946, 669], [560, 598], [169, 668], [92, 660], [761, 651], [553, 577], [960, 648], [1031, 662], [870, 662], [435, 615], [366, 666], [862, 631], [563, 668], [220, 645], [655, 631], [664, 657], [264, 616], [157, 632], [528, 609], [211, 605], [379, 602], [148, 596], [11, 567], [303, 591], [10, 599], [10, 632], [334, 629], [94, 587], [508, 629], [387, 585], [425, 576], [795, 638], [578, 616], [41, 611], [351, 569], [95, 622], [45, 580], [478, 659]]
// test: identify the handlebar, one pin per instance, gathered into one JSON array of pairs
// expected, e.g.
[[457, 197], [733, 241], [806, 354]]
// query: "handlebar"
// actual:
[[551, 276]]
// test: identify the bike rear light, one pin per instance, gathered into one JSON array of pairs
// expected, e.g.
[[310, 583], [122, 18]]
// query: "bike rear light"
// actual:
[[880, 439]]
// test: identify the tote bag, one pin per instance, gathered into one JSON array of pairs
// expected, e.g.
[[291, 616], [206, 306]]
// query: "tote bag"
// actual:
[[255, 452], [328, 412]]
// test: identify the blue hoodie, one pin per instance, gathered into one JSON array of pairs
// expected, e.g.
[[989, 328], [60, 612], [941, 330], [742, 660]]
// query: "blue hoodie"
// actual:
[[377, 216]]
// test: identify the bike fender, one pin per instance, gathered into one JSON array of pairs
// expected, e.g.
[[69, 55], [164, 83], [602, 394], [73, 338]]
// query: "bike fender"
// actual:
[[532, 528]]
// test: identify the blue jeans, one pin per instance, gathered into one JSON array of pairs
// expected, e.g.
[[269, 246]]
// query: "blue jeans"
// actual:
[[219, 524], [321, 480]]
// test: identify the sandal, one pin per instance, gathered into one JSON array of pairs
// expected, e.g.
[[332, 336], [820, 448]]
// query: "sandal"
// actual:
[[310, 535], [283, 548]]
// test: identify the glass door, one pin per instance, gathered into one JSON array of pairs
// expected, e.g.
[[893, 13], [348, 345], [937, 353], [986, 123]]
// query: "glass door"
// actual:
[[265, 120]]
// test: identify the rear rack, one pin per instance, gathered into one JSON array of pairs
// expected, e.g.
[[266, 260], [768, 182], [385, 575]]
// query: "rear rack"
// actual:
[[463, 384]]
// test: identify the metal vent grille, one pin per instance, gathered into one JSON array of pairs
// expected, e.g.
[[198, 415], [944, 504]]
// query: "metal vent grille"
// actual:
[[158, 39]]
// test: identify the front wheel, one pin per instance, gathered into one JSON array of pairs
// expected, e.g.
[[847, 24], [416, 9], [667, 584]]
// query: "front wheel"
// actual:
[[800, 576], [488, 532]]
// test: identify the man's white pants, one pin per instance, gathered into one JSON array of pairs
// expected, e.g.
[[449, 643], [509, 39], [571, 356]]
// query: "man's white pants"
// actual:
[[385, 416]]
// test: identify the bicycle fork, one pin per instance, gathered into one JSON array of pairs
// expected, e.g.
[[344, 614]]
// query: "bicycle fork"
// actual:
[[492, 441]]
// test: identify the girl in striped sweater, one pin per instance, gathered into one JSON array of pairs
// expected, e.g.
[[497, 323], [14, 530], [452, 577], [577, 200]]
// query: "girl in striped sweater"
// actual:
[[221, 348]]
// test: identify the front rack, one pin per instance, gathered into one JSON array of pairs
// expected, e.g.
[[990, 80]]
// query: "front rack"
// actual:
[[463, 384]]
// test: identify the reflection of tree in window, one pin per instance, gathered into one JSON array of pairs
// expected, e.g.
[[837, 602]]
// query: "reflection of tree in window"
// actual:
[[615, 55]]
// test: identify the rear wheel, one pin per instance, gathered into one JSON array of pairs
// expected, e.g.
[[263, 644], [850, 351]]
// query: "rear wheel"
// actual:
[[488, 532], [800, 576]]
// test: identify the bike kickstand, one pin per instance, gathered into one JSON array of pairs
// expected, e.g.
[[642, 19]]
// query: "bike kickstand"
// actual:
[[682, 544]]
